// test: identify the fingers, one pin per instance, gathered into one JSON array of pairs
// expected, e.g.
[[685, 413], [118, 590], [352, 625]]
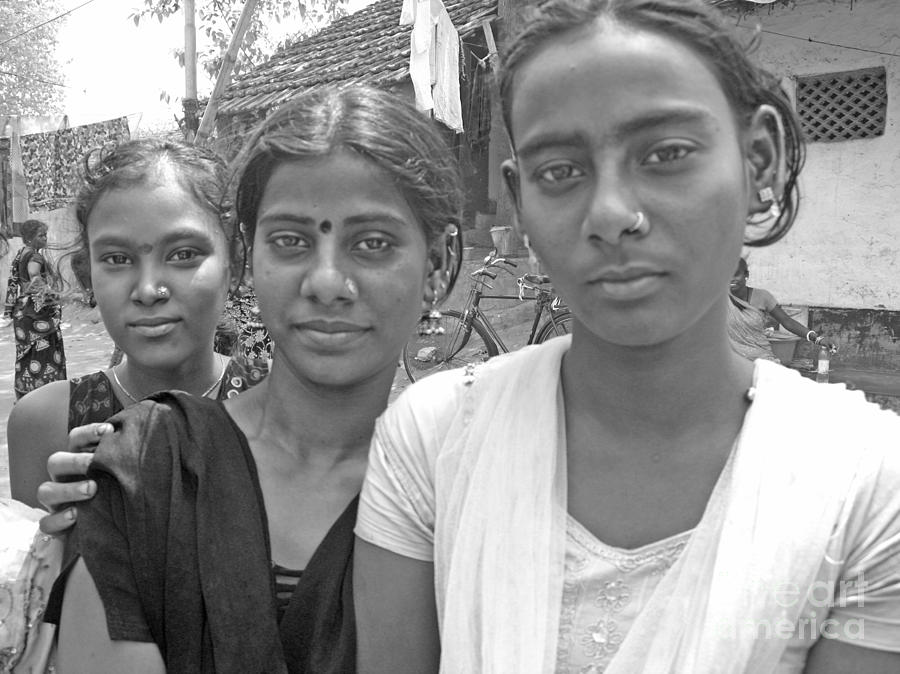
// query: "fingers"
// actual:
[[56, 495], [67, 466], [85, 438], [58, 523]]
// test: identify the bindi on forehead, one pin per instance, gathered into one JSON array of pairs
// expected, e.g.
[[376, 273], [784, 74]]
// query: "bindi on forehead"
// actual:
[[325, 226], [144, 248]]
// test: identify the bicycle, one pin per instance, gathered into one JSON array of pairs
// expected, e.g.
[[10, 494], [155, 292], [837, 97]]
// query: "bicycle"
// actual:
[[467, 336]]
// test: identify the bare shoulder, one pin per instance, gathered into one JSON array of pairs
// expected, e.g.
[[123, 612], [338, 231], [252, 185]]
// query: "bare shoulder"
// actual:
[[38, 426]]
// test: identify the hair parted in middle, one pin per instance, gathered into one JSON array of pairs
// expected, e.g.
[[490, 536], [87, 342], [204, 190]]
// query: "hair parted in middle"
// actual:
[[382, 128], [700, 27], [201, 172]]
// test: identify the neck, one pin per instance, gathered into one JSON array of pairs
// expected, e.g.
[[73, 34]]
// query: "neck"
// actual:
[[315, 424], [195, 376], [659, 391]]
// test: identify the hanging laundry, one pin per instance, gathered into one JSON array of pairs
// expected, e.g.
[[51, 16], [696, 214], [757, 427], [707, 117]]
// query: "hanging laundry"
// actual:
[[12, 127], [53, 161], [434, 60], [447, 105], [408, 12], [421, 43]]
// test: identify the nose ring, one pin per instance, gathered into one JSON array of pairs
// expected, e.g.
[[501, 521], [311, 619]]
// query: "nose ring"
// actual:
[[641, 225], [162, 292], [352, 290]]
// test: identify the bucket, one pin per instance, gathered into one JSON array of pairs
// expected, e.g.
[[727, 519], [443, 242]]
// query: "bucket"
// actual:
[[503, 239]]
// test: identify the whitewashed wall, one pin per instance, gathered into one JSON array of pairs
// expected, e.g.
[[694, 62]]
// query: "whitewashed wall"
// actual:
[[844, 250]]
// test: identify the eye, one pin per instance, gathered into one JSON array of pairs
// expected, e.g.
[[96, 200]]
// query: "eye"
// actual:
[[373, 244], [558, 172], [287, 241], [669, 153], [115, 259], [185, 255]]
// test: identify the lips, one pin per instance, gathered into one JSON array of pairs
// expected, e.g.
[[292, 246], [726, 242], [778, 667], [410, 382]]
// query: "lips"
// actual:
[[629, 282], [331, 334], [158, 326]]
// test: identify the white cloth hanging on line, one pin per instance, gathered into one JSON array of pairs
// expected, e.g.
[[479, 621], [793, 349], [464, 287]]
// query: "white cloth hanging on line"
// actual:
[[434, 60]]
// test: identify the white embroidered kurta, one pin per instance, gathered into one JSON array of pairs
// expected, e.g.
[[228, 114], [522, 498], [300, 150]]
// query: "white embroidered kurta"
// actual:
[[800, 535]]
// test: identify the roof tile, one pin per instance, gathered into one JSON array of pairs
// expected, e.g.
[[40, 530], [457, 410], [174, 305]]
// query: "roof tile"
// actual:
[[367, 46]]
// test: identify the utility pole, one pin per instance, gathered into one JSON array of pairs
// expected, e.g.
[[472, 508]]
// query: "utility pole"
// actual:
[[189, 102], [224, 77]]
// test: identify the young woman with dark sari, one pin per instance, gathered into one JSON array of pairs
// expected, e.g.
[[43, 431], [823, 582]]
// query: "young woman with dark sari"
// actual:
[[37, 314], [156, 229], [220, 538], [154, 233]]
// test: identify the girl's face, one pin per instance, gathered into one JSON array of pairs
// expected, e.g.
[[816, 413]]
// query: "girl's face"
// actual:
[[614, 121], [739, 280], [39, 241], [339, 266], [153, 235]]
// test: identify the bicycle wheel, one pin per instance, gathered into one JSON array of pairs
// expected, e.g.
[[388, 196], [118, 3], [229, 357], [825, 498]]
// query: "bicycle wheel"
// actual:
[[426, 354], [559, 323]]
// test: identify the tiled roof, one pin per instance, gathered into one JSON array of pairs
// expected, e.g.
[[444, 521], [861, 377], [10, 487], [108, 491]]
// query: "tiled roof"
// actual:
[[367, 46]]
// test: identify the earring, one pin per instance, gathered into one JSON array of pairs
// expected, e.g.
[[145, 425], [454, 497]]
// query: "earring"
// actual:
[[641, 225], [766, 196], [533, 262], [162, 292]]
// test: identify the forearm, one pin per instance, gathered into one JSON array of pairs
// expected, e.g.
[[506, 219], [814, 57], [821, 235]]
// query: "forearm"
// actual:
[[795, 327]]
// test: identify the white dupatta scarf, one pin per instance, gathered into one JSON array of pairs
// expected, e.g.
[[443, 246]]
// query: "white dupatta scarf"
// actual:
[[774, 515]]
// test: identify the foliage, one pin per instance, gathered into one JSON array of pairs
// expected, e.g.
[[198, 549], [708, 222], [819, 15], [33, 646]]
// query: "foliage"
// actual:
[[30, 76], [273, 21]]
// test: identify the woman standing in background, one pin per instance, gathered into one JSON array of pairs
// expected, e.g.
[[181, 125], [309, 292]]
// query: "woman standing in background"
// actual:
[[40, 356]]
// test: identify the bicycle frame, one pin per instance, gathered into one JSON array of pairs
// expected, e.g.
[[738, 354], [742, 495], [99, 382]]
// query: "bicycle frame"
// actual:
[[472, 312]]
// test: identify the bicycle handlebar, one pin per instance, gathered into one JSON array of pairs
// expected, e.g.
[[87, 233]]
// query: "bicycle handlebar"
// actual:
[[536, 278]]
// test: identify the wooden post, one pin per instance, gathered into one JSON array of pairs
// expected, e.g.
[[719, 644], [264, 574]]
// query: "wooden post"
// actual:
[[224, 77], [510, 13], [189, 102]]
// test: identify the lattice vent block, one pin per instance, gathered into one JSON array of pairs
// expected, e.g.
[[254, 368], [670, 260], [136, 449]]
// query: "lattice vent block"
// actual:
[[843, 106]]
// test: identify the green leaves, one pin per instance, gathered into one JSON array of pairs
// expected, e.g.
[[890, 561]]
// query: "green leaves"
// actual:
[[31, 79], [273, 18]]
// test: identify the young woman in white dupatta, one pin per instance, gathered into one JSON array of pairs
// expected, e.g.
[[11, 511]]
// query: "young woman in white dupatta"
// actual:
[[618, 501]]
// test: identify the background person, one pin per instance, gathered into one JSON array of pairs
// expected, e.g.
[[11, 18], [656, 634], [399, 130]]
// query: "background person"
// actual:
[[748, 314], [37, 313], [617, 500]]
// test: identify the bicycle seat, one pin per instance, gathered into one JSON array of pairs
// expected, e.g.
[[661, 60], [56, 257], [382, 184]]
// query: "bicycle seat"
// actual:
[[536, 278]]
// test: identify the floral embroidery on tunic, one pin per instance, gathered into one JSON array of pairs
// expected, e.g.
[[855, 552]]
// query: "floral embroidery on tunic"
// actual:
[[604, 590]]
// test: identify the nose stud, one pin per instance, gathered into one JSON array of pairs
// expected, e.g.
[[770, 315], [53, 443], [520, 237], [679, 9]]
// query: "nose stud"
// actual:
[[162, 292], [352, 290], [641, 225]]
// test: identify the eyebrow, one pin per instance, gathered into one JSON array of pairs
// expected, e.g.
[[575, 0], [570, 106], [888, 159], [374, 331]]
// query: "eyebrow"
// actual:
[[635, 125], [176, 235], [359, 219]]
